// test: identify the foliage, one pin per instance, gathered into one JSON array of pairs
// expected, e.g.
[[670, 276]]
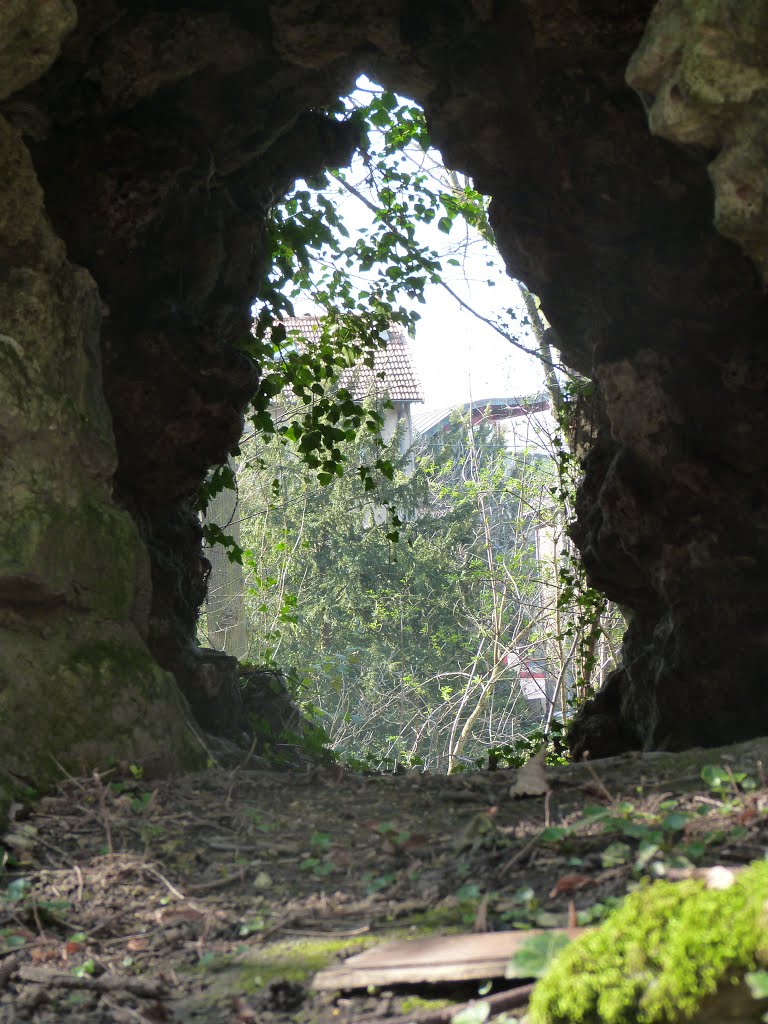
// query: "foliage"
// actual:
[[358, 285], [407, 648]]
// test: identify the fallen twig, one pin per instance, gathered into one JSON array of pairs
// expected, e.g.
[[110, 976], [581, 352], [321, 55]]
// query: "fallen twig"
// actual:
[[519, 855], [344, 933], [603, 789], [147, 988], [126, 1011], [217, 883]]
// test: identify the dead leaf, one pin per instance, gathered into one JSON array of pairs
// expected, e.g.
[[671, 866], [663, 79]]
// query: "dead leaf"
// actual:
[[157, 1013], [137, 945], [175, 915], [43, 954], [532, 777], [244, 1013], [570, 883]]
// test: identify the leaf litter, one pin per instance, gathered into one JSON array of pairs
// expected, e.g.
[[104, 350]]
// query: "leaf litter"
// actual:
[[216, 897]]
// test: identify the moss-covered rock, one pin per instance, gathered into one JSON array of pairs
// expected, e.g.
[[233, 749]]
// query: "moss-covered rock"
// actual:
[[107, 701], [79, 688], [659, 957], [31, 33]]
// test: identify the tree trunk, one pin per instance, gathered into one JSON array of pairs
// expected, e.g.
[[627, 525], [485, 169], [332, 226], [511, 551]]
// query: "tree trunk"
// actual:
[[227, 627]]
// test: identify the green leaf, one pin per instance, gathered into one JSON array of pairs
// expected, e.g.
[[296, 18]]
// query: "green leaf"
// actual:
[[17, 889], [645, 854], [758, 983], [86, 969], [675, 822], [594, 811], [552, 834], [476, 1013], [615, 854], [715, 777], [535, 955]]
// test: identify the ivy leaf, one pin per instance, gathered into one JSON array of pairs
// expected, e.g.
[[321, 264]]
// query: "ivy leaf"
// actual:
[[536, 954], [675, 822], [552, 834], [758, 983], [476, 1013], [715, 777]]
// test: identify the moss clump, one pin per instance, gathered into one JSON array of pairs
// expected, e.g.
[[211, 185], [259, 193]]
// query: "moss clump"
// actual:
[[415, 1004], [286, 960], [654, 960], [298, 960]]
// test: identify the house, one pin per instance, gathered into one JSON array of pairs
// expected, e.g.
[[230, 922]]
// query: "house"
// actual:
[[392, 376]]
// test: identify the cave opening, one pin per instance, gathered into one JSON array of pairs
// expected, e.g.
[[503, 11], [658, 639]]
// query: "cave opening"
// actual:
[[415, 223]]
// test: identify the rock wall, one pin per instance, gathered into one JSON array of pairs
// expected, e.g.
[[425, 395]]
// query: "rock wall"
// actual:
[[157, 136], [74, 574]]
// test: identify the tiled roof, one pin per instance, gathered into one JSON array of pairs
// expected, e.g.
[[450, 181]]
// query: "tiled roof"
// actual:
[[392, 374]]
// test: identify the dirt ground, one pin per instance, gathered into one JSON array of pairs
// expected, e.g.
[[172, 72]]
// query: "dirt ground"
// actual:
[[216, 897]]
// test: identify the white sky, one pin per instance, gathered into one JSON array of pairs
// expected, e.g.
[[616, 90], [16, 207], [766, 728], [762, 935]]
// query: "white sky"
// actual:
[[458, 357]]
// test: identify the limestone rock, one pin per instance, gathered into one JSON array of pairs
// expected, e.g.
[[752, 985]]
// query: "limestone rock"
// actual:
[[31, 33], [702, 70]]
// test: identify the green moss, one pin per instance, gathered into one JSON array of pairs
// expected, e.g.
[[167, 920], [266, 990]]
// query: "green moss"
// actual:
[[103, 702], [289, 960], [286, 960], [413, 1004], [653, 961], [88, 551], [112, 660], [299, 960]]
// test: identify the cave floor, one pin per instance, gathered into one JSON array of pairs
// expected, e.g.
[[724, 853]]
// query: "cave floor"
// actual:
[[217, 896]]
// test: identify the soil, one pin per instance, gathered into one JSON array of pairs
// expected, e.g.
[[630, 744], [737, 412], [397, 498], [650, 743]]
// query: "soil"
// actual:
[[216, 897]]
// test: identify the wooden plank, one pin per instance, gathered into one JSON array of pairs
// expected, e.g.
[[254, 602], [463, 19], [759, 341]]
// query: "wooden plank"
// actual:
[[437, 958]]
